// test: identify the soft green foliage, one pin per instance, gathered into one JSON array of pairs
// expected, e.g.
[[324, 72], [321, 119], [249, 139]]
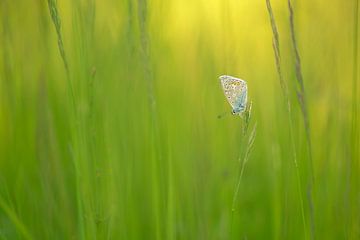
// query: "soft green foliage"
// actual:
[[109, 128]]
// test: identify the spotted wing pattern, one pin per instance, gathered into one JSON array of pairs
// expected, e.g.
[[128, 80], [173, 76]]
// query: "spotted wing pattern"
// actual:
[[235, 91]]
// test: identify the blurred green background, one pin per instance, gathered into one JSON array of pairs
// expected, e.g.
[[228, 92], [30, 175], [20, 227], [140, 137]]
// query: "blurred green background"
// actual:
[[109, 129]]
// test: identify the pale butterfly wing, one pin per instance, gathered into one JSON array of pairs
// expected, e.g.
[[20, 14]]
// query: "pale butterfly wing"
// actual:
[[235, 91]]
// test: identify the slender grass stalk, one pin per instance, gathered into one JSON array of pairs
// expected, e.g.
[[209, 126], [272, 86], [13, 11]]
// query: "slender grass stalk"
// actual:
[[301, 90], [54, 13], [15, 219], [354, 164], [285, 92], [57, 23], [301, 96], [148, 77], [171, 201], [355, 82], [243, 159], [144, 39]]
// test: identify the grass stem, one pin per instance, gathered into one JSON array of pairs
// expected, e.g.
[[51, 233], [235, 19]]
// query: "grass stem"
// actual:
[[243, 159], [301, 96], [285, 92]]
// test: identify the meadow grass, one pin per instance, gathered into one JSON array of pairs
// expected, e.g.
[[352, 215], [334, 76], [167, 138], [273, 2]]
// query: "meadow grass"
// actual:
[[285, 93], [109, 129]]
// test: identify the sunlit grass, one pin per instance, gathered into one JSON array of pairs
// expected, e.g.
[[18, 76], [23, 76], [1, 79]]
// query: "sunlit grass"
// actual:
[[109, 128]]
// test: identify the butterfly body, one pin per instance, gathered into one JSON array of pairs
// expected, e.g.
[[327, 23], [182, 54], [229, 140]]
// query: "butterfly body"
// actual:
[[235, 90]]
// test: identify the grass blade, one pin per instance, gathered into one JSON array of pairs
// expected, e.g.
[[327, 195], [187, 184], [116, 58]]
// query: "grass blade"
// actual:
[[301, 96], [285, 93]]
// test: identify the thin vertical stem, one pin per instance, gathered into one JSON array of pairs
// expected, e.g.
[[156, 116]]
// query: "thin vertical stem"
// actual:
[[242, 160], [301, 91], [53, 9], [149, 79], [57, 24], [355, 80], [304, 110], [354, 162], [285, 92]]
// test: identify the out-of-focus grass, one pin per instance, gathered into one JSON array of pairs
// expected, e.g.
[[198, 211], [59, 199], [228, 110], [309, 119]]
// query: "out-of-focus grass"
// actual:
[[112, 131]]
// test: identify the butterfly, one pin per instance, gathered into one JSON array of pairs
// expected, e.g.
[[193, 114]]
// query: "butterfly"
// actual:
[[235, 91]]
